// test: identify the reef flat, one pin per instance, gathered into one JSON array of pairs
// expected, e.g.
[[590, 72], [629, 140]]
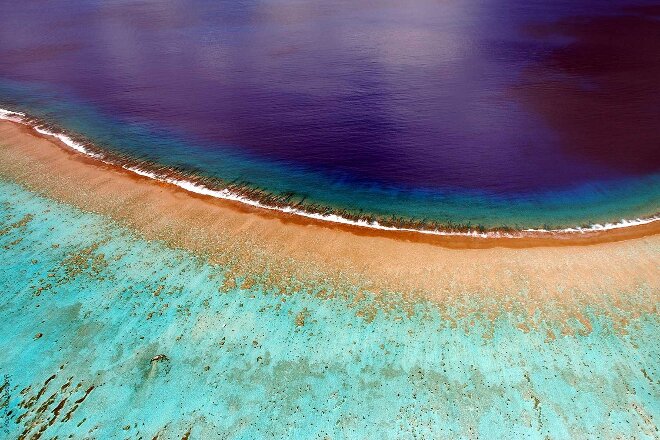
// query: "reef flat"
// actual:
[[566, 269], [135, 309], [108, 335]]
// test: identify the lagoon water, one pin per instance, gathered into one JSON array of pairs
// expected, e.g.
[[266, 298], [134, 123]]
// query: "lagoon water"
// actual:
[[85, 316], [489, 113]]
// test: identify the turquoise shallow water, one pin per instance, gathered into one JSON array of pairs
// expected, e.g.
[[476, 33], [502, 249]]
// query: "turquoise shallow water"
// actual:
[[87, 305]]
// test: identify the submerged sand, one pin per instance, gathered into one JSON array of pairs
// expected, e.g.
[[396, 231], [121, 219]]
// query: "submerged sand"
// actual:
[[558, 274]]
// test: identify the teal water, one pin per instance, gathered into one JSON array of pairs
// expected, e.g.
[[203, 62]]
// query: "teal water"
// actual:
[[150, 146], [87, 305]]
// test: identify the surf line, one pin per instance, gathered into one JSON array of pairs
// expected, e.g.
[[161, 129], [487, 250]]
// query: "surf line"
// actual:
[[226, 194]]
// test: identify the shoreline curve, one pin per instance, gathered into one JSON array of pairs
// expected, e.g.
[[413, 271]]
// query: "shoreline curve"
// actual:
[[593, 233], [287, 251]]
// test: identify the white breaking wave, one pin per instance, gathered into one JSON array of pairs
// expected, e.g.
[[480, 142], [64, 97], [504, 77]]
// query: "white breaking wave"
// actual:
[[227, 194], [11, 116]]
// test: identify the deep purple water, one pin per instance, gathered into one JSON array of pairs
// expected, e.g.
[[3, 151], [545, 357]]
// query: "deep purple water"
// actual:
[[505, 97]]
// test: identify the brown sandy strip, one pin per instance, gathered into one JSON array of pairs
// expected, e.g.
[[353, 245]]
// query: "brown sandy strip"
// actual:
[[619, 267]]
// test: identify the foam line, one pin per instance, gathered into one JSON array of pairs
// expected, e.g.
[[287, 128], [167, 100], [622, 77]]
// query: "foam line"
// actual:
[[227, 194]]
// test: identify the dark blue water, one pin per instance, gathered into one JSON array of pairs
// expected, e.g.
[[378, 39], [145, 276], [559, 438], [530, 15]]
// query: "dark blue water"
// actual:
[[483, 112]]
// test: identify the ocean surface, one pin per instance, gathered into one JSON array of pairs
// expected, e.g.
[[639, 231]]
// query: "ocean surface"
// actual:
[[470, 113], [105, 335], [464, 115]]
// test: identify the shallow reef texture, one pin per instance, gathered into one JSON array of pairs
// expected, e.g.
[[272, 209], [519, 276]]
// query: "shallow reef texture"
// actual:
[[555, 278], [107, 335]]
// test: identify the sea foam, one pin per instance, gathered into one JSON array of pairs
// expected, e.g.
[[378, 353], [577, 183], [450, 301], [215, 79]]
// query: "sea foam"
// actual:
[[226, 194]]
